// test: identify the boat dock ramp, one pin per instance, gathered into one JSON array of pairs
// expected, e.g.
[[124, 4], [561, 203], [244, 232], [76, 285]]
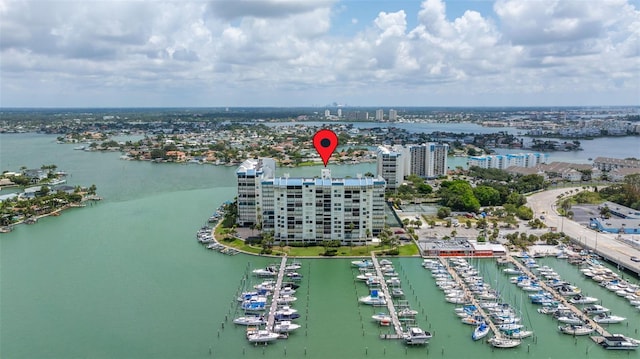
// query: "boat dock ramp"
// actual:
[[496, 332], [390, 306], [276, 293], [598, 328]]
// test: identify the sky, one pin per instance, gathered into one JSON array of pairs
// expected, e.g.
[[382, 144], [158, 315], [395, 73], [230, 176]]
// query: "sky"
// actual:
[[290, 53]]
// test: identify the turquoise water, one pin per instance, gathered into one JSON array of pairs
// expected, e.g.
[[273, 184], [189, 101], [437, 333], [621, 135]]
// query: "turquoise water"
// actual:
[[125, 278]]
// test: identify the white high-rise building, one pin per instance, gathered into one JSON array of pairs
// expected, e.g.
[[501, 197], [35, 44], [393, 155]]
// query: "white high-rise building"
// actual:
[[311, 210], [391, 165], [327, 113], [250, 175], [379, 115], [340, 112], [428, 160], [393, 115]]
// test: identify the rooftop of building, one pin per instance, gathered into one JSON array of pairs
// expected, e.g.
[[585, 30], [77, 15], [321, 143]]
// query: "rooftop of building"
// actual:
[[618, 161]]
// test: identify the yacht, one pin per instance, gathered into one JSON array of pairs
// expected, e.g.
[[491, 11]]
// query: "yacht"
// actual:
[[293, 266], [416, 336], [373, 299], [265, 272], [286, 299], [605, 318], [619, 342], [250, 320], [261, 336], [285, 326], [480, 332], [569, 318], [363, 263], [573, 329], [582, 299], [380, 317], [595, 309], [499, 342], [407, 312], [397, 293]]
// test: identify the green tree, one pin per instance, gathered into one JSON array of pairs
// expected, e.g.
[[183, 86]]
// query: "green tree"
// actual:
[[487, 196], [444, 212]]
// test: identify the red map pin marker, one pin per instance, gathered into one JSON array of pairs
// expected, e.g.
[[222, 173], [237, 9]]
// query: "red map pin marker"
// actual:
[[325, 142]]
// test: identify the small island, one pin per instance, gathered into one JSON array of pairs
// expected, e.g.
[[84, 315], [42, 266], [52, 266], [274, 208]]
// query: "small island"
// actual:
[[44, 192]]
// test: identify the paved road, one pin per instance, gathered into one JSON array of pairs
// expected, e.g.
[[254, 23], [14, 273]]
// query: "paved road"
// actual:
[[605, 244]]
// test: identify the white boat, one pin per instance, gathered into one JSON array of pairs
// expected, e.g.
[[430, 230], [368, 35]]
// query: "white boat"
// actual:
[[407, 312], [510, 326], [365, 276], [518, 334], [287, 291], [363, 263], [569, 319], [265, 272], [285, 326], [480, 332], [582, 299], [619, 342], [268, 285], [595, 309], [373, 299], [416, 336], [381, 317], [504, 342], [250, 320], [397, 293], [293, 266], [285, 299], [605, 318], [573, 329], [385, 262], [261, 336], [286, 311]]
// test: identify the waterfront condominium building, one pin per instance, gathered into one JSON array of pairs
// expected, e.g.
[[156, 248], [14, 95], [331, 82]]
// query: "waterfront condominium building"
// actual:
[[502, 162], [391, 163], [393, 115], [428, 160], [250, 175], [379, 115], [312, 210]]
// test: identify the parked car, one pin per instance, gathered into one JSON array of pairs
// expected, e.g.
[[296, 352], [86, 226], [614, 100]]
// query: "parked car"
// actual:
[[635, 259]]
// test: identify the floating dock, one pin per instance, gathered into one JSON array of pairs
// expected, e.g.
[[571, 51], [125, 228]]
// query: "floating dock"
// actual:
[[390, 306], [496, 332], [598, 328], [276, 293]]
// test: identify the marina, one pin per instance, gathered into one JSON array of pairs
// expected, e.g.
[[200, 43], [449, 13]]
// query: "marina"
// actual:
[[561, 299]]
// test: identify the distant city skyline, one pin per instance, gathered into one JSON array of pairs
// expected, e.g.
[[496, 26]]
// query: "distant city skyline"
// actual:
[[314, 53]]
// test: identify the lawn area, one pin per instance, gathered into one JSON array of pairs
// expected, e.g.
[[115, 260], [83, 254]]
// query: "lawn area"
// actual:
[[223, 236]]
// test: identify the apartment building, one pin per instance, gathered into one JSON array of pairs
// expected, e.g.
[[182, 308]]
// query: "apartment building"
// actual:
[[311, 210]]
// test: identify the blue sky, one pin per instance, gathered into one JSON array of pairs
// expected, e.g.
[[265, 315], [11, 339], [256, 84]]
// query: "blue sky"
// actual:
[[122, 53]]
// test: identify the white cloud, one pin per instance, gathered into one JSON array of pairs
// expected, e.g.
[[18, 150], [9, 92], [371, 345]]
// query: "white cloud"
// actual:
[[146, 53]]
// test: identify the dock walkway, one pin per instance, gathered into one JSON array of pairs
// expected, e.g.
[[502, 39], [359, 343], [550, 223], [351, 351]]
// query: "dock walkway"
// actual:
[[496, 332], [598, 328], [385, 290], [276, 293]]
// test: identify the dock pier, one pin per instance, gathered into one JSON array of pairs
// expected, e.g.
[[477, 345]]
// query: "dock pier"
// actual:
[[390, 306], [276, 293], [496, 332], [598, 328]]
